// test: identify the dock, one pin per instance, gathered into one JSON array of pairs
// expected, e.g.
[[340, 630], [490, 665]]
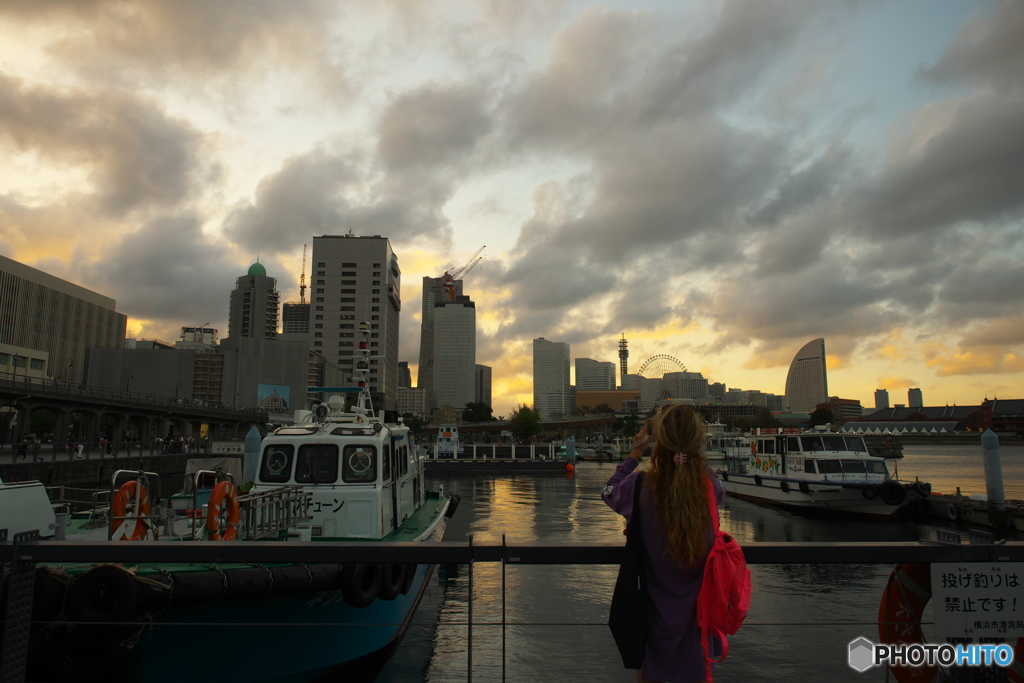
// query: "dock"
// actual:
[[498, 465]]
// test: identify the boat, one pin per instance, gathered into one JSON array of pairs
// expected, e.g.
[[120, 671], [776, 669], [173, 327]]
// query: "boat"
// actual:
[[447, 444], [821, 471], [336, 473], [725, 445]]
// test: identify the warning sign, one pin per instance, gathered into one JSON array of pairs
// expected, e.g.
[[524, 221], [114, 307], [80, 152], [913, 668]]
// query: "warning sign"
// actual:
[[978, 599]]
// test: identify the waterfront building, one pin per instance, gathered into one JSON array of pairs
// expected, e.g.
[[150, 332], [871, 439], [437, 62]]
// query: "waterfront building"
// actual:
[[254, 304], [412, 400], [357, 279], [651, 389], [483, 385], [454, 366], [685, 385], [551, 396], [295, 318], [807, 381], [433, 291], [50, 322], [914, 398], [404, 376], [881, 399], [843, 409], [1005, 416], [592, 375]]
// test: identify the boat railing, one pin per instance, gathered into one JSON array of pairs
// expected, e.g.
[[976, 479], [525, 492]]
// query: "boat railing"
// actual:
[[269, 514], [496, 594]]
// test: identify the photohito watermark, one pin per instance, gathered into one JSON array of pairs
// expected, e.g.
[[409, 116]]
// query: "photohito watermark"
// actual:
[[864, 654]]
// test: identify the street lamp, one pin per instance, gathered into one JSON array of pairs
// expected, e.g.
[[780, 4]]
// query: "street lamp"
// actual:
[[16, 359]]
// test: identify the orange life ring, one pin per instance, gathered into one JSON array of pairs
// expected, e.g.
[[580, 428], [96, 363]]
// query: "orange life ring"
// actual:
[[224, 494], [119, 506], [899, 621]]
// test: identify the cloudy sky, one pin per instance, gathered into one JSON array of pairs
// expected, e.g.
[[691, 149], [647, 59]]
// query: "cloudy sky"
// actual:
[[722, 181]]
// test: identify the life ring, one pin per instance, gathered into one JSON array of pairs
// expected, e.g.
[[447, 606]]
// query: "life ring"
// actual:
[[784, 486], [953, 512], [392, 577], [360, 582], [223, 499], [923, 488], [125, 496], [805, 487], [869, 492], [906, 593]]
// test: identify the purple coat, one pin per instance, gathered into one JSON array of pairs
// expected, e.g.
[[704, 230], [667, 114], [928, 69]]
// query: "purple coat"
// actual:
[[674, 651]]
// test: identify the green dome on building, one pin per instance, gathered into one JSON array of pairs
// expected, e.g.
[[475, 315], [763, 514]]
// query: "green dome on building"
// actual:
[[257, 269]]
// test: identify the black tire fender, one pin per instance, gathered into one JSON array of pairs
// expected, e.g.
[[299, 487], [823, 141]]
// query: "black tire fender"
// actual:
[[410, 576], [360, 582], [784, 486], [869, 492], [757, 479], [953, 512], [392, 576], [805, 487], [105, 593], [892, 493]]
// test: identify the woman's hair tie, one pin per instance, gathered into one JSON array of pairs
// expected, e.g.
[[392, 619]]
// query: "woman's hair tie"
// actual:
[[680, 458]]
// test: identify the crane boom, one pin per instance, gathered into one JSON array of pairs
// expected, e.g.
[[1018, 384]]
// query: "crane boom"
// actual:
[[451, 275], [302, 278]]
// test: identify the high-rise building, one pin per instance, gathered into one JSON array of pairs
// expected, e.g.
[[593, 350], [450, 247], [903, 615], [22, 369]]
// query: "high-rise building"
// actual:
[[807, 382], [433, 292], [592, 375], [357, 279], [295, 318], [914, 398], [254, 305], [685, 384], [881, 399], [404, 376], [454, 365], [40, 312], [551, 395], [483, 385], [412, 400]]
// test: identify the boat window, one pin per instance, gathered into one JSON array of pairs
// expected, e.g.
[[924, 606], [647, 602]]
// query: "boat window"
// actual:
[[386, 464], [854, 466], [317, 464], [855, 444], [830, 467], [359, 463], [405, 461], [277, 463], [876, 467], [834, 443], [811, 443], [809, 467], [793, 444], [767, 446]]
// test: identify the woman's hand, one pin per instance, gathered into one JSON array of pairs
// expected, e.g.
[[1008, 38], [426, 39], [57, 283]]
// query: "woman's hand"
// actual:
[[640, 441]]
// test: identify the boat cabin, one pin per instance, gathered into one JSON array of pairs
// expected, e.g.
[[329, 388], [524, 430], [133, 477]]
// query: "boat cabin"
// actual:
[[816, 456]]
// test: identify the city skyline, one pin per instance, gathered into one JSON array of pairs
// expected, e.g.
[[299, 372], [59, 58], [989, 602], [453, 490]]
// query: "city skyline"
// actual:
[[720, 181]]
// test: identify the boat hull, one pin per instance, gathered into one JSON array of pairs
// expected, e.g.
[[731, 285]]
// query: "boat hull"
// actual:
[[814, 496]]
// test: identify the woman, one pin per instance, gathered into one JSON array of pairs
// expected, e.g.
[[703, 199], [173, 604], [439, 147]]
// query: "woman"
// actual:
[[678, 534]]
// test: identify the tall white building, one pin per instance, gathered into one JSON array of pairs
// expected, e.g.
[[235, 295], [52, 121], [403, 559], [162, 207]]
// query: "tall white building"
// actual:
[[551, 395], [454, 361], [433, 292], [881, 399], [592, 375], [914, 398], [807, 382], [356, 279]]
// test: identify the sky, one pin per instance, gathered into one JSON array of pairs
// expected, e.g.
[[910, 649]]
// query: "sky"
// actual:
[[720, 181]]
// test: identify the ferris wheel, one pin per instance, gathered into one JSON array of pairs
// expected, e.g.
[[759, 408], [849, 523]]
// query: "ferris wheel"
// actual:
[[658, 366]]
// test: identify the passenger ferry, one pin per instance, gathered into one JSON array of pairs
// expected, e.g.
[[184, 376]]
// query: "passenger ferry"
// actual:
[[336, 474], [821, 471], [447, 445], [725, 445]]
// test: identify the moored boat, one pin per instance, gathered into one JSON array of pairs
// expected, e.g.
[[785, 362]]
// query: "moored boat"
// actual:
[[336, 474], [821, 471]]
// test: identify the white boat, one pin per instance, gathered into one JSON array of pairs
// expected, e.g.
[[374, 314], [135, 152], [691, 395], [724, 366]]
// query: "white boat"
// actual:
[[447, 444], [725, 445], [821, 471], [333, 475]]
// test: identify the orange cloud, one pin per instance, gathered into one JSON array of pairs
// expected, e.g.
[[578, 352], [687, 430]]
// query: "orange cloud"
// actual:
[[888, 382], [975, 363]]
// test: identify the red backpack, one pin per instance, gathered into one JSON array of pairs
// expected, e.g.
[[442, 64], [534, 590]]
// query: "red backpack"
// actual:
[[724, 596]]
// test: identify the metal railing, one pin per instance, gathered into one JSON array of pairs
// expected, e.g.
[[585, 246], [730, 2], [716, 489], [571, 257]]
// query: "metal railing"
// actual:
[[26, 552]]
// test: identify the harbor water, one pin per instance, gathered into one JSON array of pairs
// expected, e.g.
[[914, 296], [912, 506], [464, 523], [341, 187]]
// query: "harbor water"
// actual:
[[802, 616]]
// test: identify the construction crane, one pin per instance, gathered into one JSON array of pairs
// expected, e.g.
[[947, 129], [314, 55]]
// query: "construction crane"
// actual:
[[302, 278], [452, 275]]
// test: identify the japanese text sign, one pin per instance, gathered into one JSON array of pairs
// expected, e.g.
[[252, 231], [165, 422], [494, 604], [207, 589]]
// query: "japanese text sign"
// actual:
[[978, 599]]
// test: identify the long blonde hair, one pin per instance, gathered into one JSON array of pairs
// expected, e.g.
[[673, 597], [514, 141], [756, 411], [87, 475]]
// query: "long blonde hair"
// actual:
[[680, 491]]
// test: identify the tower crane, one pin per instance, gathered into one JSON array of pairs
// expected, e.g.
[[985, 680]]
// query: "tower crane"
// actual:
[[451, 276], [302, 278]]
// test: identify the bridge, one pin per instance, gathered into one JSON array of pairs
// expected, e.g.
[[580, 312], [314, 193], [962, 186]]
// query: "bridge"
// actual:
[[112, 413]]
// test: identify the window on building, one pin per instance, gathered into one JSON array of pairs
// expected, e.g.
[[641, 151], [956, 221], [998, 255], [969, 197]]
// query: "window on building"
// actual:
[[375, 308], [347, 299], [374, 344], [319, 308], [374, 335], [348, 308], [320, 282], [348, 317], [348, 265], [374, 317], [376, 291], [5, 358], [348, 291], [375, 300], [319, 317], [345, 343], [321, 264], [373, 362], [35, 364], [376, 283], [348, 273], [376, 273], [376, 265], [319, 299], [374, 326], [347, 326], [348, 282], [345, 335], [318, 334], [318, 343], [319, 290], [318, 326], [321, 273]]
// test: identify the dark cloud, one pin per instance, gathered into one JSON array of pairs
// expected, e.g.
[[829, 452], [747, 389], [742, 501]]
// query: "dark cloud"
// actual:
[[813, 183], [137, 155], [987, 50], [432, 125]]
